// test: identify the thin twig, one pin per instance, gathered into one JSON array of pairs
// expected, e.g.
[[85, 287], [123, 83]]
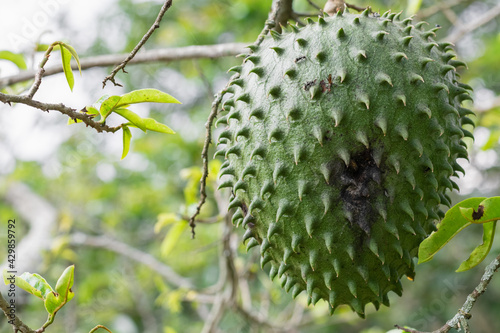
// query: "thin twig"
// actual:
[[210, 220], [213, 114], [270, 23], [149, 56], [439, 6], [474, 24], [126, 250], [156, 25], [314, 5], [41, 71], [451, 16], [204, 154], [463, 313], [72, 113], [228, 277], [18, 325], [359, 9]]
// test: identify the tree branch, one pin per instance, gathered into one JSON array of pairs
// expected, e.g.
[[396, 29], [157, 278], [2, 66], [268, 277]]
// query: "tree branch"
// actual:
[[474, 24], [463, 314], [314, 5], [72, 113], [357, 8], [156, 25], [151, 56], [40, 72], [141, 257], [18, 325], [439, 6]]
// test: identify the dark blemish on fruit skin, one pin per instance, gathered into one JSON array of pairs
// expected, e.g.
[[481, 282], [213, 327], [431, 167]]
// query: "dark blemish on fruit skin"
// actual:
[[480, 212], [360, 184], [327, 137], [309, 84], [299, 59], [244, 209]]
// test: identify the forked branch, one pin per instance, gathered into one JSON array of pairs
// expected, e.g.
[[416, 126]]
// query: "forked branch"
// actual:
[[121, 66], [463, 314]]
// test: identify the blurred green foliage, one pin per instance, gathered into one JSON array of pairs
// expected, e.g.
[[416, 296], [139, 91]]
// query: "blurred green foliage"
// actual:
[[157, 184]]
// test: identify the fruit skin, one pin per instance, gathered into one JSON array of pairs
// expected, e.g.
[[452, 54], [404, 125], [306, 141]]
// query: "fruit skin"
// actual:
[[340, 142]]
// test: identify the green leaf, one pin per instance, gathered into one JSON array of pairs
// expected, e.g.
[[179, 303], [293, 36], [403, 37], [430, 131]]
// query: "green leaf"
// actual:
[[66, 63], [452, 223], [56, 300], [172, 237], [487, 210], [42, 47], [74, 54], [16, 58], [65, 282], [92, 110], [133, 117], [155, 126], [32, 283], [165, 219], [413, 7], [108, 105], [127, 137], [146, 95], [72, 121], [481, 251]]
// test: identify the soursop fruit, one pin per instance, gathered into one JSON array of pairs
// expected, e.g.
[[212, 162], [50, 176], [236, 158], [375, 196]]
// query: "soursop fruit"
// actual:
[[340, 141]]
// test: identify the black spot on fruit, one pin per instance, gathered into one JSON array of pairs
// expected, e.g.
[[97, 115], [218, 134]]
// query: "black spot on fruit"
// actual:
[[359, 186]]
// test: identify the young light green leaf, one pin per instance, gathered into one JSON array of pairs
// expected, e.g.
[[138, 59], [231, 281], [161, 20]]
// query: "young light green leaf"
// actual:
[[153, 125], [133, 117], [108, 105], [172, 237], [146, 95], [74, 54], [165, 219], [452, 223], [481, 251], [99, 102], [32, 283], [127, 137], [16, 58], [487, 211], [63, 293], [72, 121], [92, 111], [9, 278], [42, 47], [66, 63], [65, 282]]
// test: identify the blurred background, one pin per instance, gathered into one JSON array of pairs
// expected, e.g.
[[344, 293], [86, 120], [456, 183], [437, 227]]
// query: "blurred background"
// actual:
[[122, 222]]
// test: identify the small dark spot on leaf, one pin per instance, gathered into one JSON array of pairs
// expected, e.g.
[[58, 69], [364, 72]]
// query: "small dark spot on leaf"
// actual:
[[480, 212], [251, 225]]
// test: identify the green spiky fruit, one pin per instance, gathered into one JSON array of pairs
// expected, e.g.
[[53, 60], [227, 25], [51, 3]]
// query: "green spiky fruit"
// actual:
[[340, 143]]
